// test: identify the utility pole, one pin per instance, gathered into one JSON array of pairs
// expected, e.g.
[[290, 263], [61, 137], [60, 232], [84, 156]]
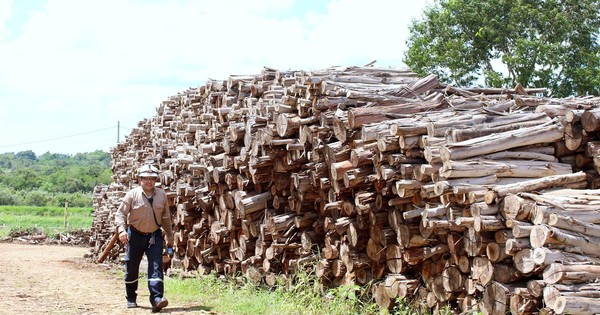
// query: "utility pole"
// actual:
[[118, 129]]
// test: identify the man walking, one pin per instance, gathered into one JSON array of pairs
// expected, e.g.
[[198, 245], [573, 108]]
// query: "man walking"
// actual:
[[142, 213]]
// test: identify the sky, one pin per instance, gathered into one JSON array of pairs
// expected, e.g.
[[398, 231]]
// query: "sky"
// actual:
[[77, 76]]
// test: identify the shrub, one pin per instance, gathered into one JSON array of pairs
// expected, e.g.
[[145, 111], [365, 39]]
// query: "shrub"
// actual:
[[78, 199], [7, 196], [38, 198]]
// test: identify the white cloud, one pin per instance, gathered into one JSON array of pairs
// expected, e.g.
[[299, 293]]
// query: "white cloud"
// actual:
[[50, 106], [84, 65], [5, 13]]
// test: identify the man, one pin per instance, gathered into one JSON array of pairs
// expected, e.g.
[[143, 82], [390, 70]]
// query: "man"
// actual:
[[142, 213]]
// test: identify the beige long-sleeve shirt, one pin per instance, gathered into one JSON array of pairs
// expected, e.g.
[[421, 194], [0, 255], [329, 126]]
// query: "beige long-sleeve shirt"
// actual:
[[136, 210]]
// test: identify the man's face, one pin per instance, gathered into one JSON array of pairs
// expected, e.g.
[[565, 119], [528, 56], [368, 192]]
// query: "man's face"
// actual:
[[148, 182]]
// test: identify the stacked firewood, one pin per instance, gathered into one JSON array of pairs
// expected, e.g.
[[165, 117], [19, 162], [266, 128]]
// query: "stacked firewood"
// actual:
[[106, 200], [37, 236], [479, 198]]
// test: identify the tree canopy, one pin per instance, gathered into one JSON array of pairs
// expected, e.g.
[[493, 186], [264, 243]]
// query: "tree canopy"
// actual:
[[538, 43], [52, 178]]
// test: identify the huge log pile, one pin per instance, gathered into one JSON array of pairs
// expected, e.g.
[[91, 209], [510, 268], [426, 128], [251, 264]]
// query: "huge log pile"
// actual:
[[483, 198]]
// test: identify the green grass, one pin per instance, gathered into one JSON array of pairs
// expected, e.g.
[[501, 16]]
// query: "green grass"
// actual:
[[51, 220], [236, 296]]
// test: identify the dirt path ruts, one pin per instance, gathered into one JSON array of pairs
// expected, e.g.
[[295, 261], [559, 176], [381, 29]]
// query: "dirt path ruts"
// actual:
[[56, 279]]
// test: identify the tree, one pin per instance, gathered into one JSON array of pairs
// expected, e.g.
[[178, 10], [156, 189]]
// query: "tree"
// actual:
[[538, 43], [38, 198], [35, 180], [6, 160], [27, 155], [25, 179], [7, 196]]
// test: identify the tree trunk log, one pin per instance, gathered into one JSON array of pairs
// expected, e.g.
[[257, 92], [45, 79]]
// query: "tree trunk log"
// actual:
[[501, 141], [557, 272], [534, 184]]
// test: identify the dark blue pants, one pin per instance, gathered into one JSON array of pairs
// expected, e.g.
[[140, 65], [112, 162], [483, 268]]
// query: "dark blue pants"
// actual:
[[137, 246]]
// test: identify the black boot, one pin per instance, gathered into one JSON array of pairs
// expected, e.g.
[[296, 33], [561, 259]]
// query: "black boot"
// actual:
[[158, 304]]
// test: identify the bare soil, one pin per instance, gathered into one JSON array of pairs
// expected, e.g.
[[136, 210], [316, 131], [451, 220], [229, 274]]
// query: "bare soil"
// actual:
[[57, 279]]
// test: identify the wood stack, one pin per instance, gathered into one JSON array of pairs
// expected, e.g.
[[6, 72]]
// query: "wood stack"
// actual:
[[106, 200], [78, 237], [366, 174]]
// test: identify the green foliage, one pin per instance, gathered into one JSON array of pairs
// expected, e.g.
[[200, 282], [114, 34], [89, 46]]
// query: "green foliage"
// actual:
[[350, 299], [537, 43], [302, 294], [22, 179], [40, 197], [27, 155], [7, 196], [78, 199], [37, 198], [52, 178], [406, 307]]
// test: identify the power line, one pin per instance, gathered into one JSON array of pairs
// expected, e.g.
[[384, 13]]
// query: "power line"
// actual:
[[58, 138]]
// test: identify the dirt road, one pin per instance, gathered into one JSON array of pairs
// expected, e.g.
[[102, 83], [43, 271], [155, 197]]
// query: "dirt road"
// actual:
[[55, 279]]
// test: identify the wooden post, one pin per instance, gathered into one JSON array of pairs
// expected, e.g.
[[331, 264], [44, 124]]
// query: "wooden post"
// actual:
[[65, 214]]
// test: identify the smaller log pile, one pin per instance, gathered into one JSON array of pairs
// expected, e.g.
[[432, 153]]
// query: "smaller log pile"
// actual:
[[106, 200], [483, 199], [73, 238]]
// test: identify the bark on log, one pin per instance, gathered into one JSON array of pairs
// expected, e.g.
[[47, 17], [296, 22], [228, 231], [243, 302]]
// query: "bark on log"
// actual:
[[495, 299], [368, 115], [502, 141], [576, 305], [557, 272], [590, 120], [534, 184]]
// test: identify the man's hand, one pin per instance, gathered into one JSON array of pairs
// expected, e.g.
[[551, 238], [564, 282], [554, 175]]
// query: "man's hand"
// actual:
[[123, 237]]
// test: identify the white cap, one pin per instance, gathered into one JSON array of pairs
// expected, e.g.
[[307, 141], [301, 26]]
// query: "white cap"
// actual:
[[148, 171]]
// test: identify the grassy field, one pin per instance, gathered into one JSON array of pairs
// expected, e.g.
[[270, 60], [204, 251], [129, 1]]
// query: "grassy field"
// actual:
[[51, 220]]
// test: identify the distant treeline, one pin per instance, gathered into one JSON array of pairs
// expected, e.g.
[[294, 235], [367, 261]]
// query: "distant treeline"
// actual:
[[52, 178]]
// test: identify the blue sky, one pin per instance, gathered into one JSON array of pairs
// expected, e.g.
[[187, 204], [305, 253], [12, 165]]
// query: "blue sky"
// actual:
[[72, 70]]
